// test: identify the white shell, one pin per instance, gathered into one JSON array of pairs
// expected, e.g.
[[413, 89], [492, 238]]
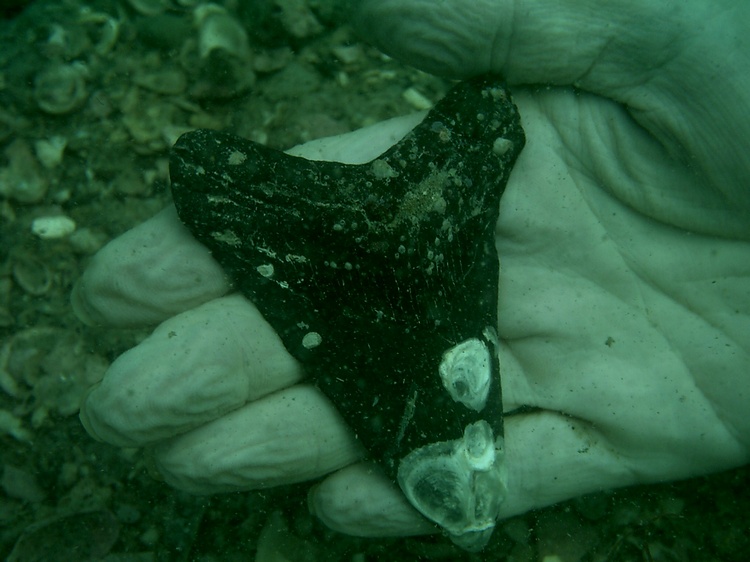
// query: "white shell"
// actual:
[[50, 151], [459, 484], [61, 88], [479, 446], [466, 373], [219, 30]]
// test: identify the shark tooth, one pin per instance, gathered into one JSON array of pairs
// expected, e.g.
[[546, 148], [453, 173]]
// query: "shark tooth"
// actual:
[[382, 279]]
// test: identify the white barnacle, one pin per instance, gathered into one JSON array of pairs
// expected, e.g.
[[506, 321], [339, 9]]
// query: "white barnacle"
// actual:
[[466, 373], [459, 484], [311, 340], [497, 93], [502, 146]]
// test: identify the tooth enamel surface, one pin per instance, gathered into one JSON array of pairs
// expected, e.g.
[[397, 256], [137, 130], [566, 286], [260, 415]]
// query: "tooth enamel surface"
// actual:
[[387, 260]]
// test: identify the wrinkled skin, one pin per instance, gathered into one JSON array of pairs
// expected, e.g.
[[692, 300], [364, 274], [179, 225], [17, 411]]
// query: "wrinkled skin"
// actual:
[[625, 288]]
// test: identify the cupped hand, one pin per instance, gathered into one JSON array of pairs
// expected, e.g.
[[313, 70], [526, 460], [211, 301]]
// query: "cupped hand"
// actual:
[[624, 242]]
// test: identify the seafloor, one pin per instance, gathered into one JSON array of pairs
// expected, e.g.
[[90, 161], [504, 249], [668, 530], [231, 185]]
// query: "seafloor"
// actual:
[[92, 95]]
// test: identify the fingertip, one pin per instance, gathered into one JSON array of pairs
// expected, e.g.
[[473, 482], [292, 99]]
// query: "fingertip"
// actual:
[[552, 457], [148, 274], [360, 500], [81, 307], [107, 420], [193, 368], [83, 414]]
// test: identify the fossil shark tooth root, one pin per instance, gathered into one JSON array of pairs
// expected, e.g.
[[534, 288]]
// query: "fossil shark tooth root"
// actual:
[[382, 279]]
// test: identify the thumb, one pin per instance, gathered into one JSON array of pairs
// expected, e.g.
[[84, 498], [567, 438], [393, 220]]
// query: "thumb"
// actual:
[[680, 69], [545, 41]]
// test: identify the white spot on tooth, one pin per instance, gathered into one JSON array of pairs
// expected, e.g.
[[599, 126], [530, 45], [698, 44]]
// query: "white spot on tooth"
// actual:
[[501, 146], [266, 270], [311, 340], [236, 158]]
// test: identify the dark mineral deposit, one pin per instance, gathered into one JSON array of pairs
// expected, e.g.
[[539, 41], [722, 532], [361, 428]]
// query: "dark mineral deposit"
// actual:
[[374, 274]]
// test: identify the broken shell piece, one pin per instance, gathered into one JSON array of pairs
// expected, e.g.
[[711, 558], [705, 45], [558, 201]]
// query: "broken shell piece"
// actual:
[[60, 89], [106, 27], [219, 30], [417, 99], [297, 18], [85, 535], [466, 373], [459, 484], [32, 275], [58, 226]]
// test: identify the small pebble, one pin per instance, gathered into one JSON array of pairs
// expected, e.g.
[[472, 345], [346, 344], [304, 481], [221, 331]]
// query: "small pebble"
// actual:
[[50, 151], [52, 227], [21, 484]]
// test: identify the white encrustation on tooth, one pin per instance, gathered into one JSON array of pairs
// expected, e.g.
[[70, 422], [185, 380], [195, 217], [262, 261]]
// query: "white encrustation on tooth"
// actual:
[[466, 372], [459, 484]]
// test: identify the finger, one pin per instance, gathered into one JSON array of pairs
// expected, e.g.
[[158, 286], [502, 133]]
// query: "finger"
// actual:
[[360, 500], [195, 367], [148, 274], [290, 436]]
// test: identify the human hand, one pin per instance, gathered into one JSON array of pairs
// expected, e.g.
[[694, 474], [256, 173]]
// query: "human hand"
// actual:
[[623, 302]]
